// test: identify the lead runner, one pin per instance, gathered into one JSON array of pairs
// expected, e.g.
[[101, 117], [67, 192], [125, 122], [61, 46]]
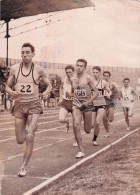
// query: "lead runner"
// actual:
[[25, 76]]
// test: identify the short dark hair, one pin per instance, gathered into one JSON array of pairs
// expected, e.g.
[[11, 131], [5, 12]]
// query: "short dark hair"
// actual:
[[107, 72], [82, 60], [126, 79], [97, 68], [29, 45], [69, 67]]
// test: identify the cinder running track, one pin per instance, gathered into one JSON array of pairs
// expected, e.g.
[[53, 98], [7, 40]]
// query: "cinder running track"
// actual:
[[53, 150]]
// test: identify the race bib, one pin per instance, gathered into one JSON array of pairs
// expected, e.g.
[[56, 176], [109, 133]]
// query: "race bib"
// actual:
[[101, 93], [25, 88], [80, 92], [67, 96], [126, 98]]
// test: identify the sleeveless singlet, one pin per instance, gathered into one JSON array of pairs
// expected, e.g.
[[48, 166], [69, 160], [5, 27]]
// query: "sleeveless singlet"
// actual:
[[82, 90], [100, 100], [112, 97], [127, 96], [27, 85], [66, 89]]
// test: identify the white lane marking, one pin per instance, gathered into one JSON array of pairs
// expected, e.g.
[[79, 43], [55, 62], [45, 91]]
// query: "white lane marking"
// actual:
[[35, 177], [36, 149], [61, 174]]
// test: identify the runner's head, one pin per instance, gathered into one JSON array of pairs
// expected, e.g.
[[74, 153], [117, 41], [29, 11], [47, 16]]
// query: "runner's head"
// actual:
[[96, 72], [27, 52], [69, 71], [81, 65], [126, 82], [106, 75]]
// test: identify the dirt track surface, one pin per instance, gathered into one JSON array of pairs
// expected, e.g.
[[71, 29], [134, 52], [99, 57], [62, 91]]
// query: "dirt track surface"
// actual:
[[115, 172]]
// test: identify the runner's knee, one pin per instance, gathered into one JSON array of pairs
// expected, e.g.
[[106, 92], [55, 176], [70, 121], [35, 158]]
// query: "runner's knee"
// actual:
[[20, 141], [61, 119], [30, 137]]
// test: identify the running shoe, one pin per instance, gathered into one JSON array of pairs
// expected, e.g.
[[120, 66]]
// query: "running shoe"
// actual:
[[75, 144], [80, 155], [107, 135], [22, 172], [95, 143]]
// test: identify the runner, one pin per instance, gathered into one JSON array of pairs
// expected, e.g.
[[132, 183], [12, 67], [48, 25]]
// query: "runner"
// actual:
[[65, 100], [110, 103], [127, 95], [82, 84], [99, 103], [27, 106]]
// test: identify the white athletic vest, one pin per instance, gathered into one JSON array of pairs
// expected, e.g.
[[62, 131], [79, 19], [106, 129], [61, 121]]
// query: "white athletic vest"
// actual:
[[27, 85], [127, 96], [100, 100], [66, 89]]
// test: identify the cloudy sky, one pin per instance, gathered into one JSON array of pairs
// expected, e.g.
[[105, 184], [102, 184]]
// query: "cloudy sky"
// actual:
[[106, 36]]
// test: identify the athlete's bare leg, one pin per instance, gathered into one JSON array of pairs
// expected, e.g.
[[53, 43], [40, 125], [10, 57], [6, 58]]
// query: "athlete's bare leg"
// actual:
[[28, 134], [125, 110], [20, 130], [62, 115], [32, 122], [99, 117], [87, 116], [130, 112], [77, 118], [108, 117]]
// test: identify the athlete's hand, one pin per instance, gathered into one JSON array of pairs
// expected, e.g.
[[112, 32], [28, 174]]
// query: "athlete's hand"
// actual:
[[108, 96], [45, 96], [68, 95], [59, 103], [14, 94]]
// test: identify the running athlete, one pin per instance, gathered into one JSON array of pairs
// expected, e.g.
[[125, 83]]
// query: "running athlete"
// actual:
[[82, 84], [110, 102], [27, 106], [99, 103], [65, 100], [127, 95]]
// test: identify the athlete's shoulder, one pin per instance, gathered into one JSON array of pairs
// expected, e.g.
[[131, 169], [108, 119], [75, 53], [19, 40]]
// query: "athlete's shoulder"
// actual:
[[39, 69], [14, 68], [88, 77], [104, 83]]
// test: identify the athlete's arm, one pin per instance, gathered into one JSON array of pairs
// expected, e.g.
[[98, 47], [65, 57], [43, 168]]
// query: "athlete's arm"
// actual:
[[46, 81], [115, 89], [120, 94], [61, 93], [106, 87], [91, 84], [10, 83], [134, 93]]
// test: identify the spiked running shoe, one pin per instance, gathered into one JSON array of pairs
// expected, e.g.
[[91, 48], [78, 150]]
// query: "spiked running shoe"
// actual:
[[22, 172], [80, 155]]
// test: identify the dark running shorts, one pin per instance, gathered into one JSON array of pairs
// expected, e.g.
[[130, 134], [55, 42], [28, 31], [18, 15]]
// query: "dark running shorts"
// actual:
[[96, 108], [85, 108], [22, 110], [67, 104], [111, 105]]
